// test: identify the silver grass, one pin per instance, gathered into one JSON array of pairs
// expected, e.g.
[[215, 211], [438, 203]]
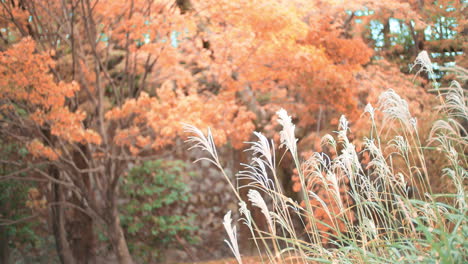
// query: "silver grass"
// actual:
[[462, 73], [371, 110], [447, 147], [396, 108], [378, 162], [408, 212], [206, 143], [343, 124], [458, 178], [328, 140], [264, 149], [232, 234], [424, 61], [368, 188], [347, 161], [257, 200], [317, 163], [246, 213], [370, 227], [457, 173], [414, 123], [343, 128], [322, 158], [401, 145], [324, 205], [429, 212], [370, 194], [257, 173], [449, 127], [249, 222], [455, 101], [401, 181], [287, 136], [282, 222], [331, 177]]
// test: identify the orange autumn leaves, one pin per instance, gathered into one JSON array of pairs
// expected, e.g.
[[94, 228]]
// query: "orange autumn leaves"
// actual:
[[27, 86], [38, 150], [142, 22], [26, 77], [213, 67], [155, 122], [294, 46]]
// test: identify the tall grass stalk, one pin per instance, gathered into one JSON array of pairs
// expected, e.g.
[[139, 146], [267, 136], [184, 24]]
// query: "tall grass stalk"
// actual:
[[353, 212]]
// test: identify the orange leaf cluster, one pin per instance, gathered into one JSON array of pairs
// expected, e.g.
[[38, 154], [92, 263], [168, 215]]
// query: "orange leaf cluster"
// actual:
[[155, 122], [27, 83], [277, 45], [38, 150], [26, 77]]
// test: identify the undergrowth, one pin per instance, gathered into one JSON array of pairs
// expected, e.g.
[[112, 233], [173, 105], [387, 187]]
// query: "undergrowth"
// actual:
[[152, 190]]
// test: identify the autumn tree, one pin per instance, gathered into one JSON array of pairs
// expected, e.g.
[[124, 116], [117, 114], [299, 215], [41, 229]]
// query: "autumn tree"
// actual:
[[88, 87], [399, 30]]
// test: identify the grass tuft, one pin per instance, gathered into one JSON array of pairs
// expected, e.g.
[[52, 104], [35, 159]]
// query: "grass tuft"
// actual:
[[354, 210]]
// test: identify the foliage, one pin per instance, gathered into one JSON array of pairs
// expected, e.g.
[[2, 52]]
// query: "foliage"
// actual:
[[401, 29], [30, 87], [153, 190], [89, 87], [20, 203], [13, 198]]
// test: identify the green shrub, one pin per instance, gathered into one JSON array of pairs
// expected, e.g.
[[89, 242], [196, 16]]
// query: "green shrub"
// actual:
[[19, 228], [152, 190]]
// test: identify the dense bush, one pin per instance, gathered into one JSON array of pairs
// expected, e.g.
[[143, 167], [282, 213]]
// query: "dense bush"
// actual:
[[21, 239], [151, 191]]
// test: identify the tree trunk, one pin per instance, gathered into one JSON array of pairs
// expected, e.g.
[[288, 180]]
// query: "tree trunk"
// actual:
[[58, 226], [386, 35], [4, 248], [117, 237], [80, 225], [4, 236], [418, 42], [81, 236]]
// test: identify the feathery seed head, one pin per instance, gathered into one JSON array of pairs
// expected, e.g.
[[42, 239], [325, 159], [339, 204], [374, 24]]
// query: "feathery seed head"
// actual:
[[370, 109], [232, 234], [288, 138], [396, 108], [424, 61], [456, 103], [257, 200], [257, 174], [263, 147], [344, 124], [199, 140]]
